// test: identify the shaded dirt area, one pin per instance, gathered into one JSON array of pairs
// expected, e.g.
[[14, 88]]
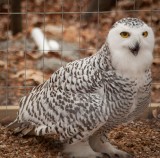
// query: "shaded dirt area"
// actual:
[[141, 138]]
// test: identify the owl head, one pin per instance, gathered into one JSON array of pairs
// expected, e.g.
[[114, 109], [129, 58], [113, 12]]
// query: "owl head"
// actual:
[[131, 43]]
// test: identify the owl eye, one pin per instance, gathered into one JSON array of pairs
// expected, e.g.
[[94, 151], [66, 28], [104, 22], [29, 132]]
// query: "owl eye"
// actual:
[[125, 34], [145, 34]]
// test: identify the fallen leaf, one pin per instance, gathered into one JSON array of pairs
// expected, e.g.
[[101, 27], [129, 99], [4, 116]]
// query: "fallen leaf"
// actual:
[[30, 74], [156, 86], [156, 113], [156, 60], [71, 34], [3, 64], [35, 55]]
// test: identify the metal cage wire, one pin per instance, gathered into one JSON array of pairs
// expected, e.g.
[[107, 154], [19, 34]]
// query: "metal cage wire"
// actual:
[[7, 88]]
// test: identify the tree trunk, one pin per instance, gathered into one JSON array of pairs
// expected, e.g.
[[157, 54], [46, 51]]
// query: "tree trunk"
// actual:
[[104, 5], [138, 4], [16, 19]]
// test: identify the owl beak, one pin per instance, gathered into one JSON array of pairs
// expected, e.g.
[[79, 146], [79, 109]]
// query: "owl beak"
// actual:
[[135, 49]]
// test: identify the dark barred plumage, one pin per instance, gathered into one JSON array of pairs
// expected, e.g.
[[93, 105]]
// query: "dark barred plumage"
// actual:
[[131, 22], [81, 97]]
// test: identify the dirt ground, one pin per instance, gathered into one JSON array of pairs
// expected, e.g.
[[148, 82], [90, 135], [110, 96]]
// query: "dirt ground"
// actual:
[[141, 138]]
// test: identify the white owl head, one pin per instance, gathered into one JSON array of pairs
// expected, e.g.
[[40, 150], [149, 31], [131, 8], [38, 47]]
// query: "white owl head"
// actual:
[[131, 43]]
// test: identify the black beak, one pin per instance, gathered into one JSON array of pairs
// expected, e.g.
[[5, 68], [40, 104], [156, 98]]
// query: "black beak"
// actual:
[[135, 49]]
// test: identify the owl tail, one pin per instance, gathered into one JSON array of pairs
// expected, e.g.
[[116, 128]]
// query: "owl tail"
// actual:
[[21, 129]]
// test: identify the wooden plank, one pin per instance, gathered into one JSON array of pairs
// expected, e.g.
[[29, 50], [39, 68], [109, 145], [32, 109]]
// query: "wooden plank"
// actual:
[[16, 107], [9, 107], [154, 105], [8, 113]]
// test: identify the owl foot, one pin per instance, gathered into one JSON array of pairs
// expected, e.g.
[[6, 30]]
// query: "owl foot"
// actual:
[[108, 150], [117, 154], [81, 150]]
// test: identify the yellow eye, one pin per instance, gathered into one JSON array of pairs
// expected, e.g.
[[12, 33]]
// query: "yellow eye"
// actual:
[[145, 34], [125, 34]]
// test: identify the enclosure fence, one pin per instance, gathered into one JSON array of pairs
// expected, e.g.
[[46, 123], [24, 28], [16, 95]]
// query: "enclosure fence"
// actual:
[[78, 31]]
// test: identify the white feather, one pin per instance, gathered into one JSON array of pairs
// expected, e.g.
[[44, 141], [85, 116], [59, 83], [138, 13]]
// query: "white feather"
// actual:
[[121, 57]]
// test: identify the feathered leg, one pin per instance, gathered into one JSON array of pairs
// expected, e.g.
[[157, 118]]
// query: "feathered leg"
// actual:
[[81, 150], [100, 143]]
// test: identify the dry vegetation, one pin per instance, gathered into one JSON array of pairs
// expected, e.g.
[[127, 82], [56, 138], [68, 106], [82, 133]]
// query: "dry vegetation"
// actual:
[[19, 53], [141, 138]]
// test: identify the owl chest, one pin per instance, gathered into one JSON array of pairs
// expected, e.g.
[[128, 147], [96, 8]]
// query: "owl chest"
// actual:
[[141, 99]]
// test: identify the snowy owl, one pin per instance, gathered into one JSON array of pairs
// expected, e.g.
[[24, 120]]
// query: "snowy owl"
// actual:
[[82, 101]]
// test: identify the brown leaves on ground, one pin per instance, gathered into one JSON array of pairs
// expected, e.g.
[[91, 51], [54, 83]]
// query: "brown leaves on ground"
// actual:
[[30, 147], [30, 74], [141, 138]]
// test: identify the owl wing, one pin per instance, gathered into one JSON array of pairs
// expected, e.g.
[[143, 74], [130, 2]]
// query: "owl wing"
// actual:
[[81, 76], [92, 111], [74, 116]]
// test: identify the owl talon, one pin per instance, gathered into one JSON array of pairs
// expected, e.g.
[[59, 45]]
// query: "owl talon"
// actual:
[[122, 154], [107, 149]]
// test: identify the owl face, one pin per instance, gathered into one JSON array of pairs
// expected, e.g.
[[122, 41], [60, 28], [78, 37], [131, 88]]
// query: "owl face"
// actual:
[[131, 44]]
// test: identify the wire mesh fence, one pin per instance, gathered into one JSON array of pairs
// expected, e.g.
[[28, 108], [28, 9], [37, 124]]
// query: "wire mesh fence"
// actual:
[[78, 29]]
